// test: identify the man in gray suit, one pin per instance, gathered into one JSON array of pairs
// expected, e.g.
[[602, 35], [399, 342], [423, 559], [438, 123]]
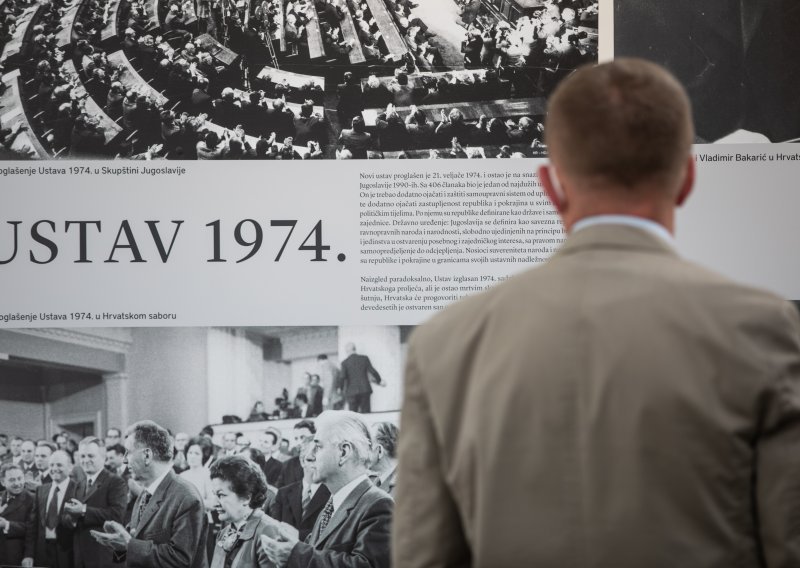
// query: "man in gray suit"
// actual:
[[354, 527], [617, 406], [168, 526], [355, 377]]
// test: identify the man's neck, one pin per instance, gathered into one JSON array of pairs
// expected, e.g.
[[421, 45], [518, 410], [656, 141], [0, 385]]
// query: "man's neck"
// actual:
[[384, 465], [156, 471], [343, 478]]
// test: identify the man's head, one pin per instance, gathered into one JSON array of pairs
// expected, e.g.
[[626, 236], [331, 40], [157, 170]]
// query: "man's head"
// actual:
[[268, 442], [92, 455], [341, 449], [229, 440], [302, 433], [619, 136], [27, 451], [62, 442], [149, 450], [115, 456], [13, 478], [113, 436], [15, 446], [181, 438], [60, 466], [384, 436], [350, 348], [41, 455]]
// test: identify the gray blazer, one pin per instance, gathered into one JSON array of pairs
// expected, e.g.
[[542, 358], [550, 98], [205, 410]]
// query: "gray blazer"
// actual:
[[171, 532], [356, 536], [250, 553], [617, 406]]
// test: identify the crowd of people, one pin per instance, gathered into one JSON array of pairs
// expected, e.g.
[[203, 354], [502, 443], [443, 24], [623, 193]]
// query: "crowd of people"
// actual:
[[152, 498], [206, 108]]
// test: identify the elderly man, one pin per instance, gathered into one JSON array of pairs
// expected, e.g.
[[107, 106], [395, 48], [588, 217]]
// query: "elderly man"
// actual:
[[100, 497], [16, 517], [617, 406], [53, 543], [383, 465], [353, 528], [168, 526]]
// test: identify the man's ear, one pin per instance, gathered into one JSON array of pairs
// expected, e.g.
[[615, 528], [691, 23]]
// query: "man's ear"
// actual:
[[688, 182], [552, 186]]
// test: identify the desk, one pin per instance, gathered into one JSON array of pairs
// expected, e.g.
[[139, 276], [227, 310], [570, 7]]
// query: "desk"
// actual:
[[110, 128], [252, 140], [415, 80], [295, 107], [471, 110], [21, 35], [294, 80], [218, 51], [350, 35], [394, 41], [111, 26], [131, 79], [12, 112], [68, 20], [316, 48]]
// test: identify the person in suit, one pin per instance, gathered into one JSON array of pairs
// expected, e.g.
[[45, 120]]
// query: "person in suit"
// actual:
[[300, 503], [315, 396], [53, 541], [356, 375], [354, 526], [168, 526], [302, 434], [27, 459], [101, 497], [618, 405], [115, 464], [240, 488], [16, 517], [268, 442], [40, 473], [383, 466]]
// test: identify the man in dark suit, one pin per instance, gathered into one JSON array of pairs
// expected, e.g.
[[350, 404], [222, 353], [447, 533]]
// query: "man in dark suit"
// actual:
[[16, 517], [101, 497], [268, 444], [115, 464], [40, 474], [642, 408], [300, 503], [356, 375], [53, 546], [168, 527], [302, 434], [354, 526], [735, 58]]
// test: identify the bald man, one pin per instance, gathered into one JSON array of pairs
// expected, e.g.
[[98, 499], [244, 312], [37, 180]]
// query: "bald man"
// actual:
[[53, 547], [617, 406]]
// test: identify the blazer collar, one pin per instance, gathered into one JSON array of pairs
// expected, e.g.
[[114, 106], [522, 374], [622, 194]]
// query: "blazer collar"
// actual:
[[156, 500], [101, 479], [15, 504], [251, 525], [608, 236], [344, 511], [318, 500]]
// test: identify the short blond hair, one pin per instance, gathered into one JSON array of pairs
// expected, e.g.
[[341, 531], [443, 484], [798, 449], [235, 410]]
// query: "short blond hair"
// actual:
[[625, 122]]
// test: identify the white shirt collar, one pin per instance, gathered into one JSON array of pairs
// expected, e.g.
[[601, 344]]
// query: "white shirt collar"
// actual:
[[62, 487], [314, 487], [92, 479], [151, 489], [344, 492], [645, 224]]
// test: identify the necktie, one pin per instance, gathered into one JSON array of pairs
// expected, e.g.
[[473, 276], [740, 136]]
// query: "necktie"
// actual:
[[327, 513], [51, 519], [306, 499], [142, 506]]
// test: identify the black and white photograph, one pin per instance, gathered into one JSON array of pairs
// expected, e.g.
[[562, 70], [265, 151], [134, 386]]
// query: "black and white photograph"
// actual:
[[223, 428], [737, 60], [284, 79]]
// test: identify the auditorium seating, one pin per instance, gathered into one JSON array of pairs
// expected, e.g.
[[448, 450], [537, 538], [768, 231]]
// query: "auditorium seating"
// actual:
[[471, 110], [13, 109], [14, 50]]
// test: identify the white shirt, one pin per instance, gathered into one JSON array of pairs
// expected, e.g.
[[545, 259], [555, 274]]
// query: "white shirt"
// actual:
[[62, 490], [631, 221], [344, 492], [151, 489]]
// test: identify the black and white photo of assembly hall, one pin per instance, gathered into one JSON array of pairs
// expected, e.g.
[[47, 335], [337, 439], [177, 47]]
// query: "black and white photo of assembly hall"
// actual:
[[736, 58], [199, 446], [284, 79]]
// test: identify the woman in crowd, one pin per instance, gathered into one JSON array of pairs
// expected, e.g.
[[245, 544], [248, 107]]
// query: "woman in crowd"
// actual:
[[198, 453], [240, 489]]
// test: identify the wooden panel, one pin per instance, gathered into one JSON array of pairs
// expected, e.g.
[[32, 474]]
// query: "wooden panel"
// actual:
[[110, 128], [394, 41], [316, 49], [21, 35], [131, 79], [12, 112], [350, 35], [471, 110]]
